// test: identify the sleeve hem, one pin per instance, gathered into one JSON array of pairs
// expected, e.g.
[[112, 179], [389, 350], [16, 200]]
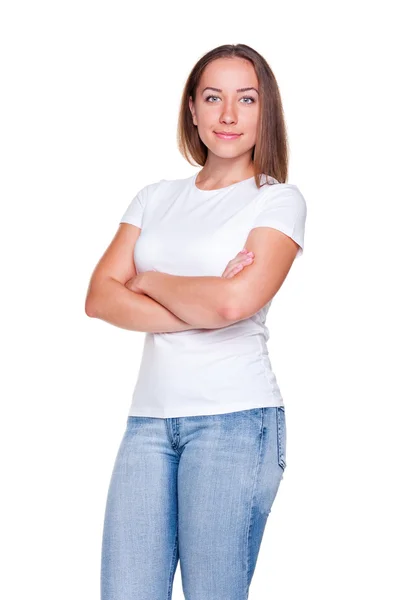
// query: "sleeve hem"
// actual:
[[286, 231], [131, 221]]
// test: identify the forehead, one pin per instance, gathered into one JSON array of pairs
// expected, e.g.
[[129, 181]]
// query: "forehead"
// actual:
[[228, 74]]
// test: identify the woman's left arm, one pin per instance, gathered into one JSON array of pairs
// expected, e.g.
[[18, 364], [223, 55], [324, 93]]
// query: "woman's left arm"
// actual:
[[210, 302], [201, 301]]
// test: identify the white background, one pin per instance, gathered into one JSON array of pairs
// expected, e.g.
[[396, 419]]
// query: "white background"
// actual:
[[89, 104]]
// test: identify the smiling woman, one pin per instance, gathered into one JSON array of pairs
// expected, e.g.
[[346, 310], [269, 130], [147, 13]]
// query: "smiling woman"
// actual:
[[244, 100], [230, 114], [204, 450]]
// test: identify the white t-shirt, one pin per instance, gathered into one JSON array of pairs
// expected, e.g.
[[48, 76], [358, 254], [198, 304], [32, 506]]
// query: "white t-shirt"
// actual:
[[193, 232]]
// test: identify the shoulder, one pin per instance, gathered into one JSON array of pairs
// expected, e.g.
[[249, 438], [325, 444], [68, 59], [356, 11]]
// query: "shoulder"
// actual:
[[282, 206], [282, 195], [162, 185], [277, 191], [148, 189], [136, 208]]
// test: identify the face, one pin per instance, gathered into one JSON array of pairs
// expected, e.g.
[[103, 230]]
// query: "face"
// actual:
[[227, 109]]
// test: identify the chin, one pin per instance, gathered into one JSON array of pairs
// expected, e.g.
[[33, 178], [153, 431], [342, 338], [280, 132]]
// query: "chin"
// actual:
[[226, 153]]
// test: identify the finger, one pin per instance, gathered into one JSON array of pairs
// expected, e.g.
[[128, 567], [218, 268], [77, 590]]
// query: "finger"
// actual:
[[236, 269], [229, 269], [242, 257], [233, 271], [232, 267], [245, 253]]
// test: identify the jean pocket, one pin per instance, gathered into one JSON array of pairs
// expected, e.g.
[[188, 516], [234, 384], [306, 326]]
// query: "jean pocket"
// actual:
[[281, 436]]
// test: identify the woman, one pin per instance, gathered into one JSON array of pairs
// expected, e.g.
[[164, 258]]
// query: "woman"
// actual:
[[204, 449]]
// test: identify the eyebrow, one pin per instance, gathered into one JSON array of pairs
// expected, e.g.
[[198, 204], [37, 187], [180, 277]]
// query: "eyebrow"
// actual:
[[246, 89]]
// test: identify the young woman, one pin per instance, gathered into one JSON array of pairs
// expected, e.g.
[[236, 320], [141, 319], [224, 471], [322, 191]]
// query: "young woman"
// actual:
[[204, 449]]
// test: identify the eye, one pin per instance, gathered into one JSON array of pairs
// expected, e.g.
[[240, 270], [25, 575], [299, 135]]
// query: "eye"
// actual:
[[248, 98], [244, 98]]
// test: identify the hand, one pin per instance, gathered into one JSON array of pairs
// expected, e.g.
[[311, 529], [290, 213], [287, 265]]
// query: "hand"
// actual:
[[238, 263]]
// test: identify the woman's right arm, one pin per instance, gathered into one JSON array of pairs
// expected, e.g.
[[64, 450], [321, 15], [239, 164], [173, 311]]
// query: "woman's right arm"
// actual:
[[114, 303], [109, 300]]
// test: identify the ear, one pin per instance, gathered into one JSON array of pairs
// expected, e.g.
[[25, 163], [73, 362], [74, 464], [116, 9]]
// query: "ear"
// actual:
[[192, 109]]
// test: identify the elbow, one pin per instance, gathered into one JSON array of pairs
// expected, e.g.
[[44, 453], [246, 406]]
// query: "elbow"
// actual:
[[89, 308], [236, 313], [239, 308], [231, 314], [232, 309]]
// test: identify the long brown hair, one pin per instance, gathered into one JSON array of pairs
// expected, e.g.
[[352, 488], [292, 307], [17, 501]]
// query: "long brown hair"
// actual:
[[270, 153]]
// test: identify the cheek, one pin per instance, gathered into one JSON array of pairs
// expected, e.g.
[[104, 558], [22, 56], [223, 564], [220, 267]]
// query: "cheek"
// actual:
[[205, 123], [251, 118], [203, 115], [250, 125]]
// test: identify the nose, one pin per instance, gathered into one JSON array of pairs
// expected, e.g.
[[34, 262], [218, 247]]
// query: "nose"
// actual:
[[228, 113]]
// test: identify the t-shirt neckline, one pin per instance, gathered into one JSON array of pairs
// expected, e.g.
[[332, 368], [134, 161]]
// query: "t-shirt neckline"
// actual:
[[197, 189]]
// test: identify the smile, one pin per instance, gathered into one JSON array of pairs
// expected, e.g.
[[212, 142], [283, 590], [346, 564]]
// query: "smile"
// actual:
[[228, 136]]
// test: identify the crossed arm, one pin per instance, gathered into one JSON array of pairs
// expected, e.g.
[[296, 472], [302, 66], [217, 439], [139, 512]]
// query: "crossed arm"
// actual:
[[203, 302], [171, 303], [212, 302]]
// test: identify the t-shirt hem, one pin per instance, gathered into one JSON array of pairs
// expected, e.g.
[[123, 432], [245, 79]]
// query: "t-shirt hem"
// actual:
[[168, 414]]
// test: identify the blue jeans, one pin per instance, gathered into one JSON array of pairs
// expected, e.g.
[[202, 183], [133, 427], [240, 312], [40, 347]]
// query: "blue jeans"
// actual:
[[196, 489]]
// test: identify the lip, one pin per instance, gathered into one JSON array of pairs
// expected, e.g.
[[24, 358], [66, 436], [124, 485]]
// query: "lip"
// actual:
[[227, 136]]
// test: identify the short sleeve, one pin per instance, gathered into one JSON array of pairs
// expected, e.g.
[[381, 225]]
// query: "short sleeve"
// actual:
[[283, 207], [134, 212]]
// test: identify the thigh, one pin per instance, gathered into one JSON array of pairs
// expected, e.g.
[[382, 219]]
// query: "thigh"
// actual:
[[140, 547], [229, 473]]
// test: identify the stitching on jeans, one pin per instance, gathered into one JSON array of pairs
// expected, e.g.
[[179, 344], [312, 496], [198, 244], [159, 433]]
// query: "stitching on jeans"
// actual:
[[261, 440], [280, 415], [172, 567]]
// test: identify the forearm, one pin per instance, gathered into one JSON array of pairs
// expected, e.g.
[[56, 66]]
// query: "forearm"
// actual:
[[201, 301], [114, 303]]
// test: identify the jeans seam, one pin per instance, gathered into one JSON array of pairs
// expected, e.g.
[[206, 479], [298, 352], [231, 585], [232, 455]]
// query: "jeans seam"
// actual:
[[261, 439], [280, 448], [172, 567]]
